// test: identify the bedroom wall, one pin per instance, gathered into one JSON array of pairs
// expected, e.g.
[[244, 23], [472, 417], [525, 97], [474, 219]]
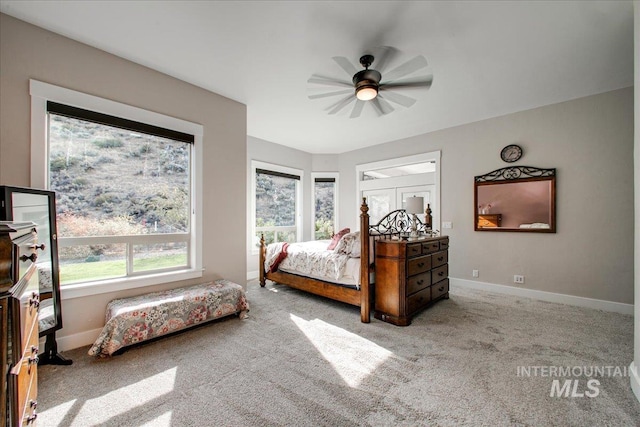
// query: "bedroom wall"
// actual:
[[265, 151], [590, 142], [28, 52]]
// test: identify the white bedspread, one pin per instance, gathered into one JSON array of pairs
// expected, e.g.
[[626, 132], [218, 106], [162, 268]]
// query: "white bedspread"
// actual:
[[312, 259]]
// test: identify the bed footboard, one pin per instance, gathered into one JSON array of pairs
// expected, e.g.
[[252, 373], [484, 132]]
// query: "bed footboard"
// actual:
[[362, 297]]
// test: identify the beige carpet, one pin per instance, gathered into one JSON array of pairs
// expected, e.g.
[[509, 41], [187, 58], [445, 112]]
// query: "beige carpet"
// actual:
[[301, 360]]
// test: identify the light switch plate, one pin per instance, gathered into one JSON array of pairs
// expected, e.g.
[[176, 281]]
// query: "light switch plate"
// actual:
[[447, 224]]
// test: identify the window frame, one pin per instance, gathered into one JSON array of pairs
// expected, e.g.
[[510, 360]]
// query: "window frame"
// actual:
[[257, 164], [336, 177], [41, 93]]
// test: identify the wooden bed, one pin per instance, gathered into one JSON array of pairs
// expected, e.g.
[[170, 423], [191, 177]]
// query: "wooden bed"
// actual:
[[389, 226]]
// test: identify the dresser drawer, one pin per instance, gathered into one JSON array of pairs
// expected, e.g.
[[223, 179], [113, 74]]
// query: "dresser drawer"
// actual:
[[444, 244], [420, 281], [419, 300], [414, 249], [419, 265], [430, 247], [25, 255], [439, 289], [29, 301], [439, 273], [26, 390], [31, 404], [439, 258]]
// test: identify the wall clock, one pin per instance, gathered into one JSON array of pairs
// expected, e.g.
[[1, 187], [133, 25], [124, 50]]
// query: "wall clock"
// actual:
[[511, 153]]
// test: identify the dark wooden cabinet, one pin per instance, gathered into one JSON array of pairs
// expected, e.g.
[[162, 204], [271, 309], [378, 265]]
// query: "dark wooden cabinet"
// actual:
[[19, 306], [410, 275]]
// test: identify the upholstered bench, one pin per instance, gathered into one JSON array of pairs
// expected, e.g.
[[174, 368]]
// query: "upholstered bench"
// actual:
[[140, 318]]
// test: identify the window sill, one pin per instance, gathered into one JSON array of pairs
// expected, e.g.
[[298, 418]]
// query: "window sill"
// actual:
[[79, 290]]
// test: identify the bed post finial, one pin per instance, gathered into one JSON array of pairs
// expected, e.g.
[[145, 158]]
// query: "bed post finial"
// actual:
[[427, 217]]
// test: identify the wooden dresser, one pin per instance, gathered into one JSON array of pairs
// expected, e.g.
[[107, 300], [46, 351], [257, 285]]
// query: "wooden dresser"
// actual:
[[410, 275], [19, 304]]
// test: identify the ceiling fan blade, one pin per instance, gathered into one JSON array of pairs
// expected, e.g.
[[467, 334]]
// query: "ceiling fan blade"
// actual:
[[411, 66], [341, 104], [325, 95], [381, 106], [422, 82], [403, 100], [386, 107], [384, 56], [346, 65], [357, 109], [328, 81]]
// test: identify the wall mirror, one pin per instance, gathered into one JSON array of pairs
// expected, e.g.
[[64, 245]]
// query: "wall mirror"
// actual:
[[38, 206], [516, 198]]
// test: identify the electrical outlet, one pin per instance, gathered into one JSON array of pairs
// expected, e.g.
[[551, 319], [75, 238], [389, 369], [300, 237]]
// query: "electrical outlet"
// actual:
[[474, 273], [518, 279]]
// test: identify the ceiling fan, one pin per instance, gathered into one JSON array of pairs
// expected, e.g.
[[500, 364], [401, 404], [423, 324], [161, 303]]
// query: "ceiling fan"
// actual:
[[371, 86]]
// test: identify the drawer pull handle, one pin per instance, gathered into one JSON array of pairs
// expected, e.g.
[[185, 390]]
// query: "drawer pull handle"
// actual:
[[421, 264], [440, 258], [34, 349], [420, 282], [441, 288], [41, 247], [33, 404], [31, 418], [33, 257], [34, 300], [441, 273], [33, 360]]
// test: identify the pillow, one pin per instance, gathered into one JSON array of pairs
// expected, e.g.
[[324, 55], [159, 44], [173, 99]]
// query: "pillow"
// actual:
[[349, 245], [336, 238]]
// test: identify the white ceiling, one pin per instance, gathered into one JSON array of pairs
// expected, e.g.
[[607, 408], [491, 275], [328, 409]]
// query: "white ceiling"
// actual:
[[487, 58]]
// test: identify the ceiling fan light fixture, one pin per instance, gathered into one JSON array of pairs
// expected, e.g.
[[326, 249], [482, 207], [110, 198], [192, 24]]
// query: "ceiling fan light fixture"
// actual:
[[367, 92], [366, 83]]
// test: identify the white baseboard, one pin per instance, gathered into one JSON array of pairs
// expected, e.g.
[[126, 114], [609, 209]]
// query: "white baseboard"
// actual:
[[616, 307], [634, 378], [253, 274], [69, 342]]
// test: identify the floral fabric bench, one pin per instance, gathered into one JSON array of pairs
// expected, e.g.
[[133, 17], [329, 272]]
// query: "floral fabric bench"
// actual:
[[136, 319]]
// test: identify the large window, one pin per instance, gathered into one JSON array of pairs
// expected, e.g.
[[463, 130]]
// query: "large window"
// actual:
[[325, 189], [277, 203], [126, 190]]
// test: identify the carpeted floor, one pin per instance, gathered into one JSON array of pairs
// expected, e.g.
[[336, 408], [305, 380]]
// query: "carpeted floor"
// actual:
[[301, 360]]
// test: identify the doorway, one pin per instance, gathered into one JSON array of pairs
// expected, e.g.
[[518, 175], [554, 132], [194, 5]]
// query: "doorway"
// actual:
[[387, 184]]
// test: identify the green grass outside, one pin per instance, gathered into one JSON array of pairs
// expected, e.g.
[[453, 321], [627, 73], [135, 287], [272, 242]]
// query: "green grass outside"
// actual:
[[84, 271]]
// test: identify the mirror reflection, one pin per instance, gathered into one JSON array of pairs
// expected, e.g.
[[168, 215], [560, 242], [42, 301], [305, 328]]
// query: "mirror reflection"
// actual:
[[516, 199]]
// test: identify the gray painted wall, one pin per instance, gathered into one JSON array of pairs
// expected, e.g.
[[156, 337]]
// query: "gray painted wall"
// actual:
[[28, 52], [590, 142]]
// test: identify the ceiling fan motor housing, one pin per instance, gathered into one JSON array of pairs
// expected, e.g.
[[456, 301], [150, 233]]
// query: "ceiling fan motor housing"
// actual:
[[370, 78]]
